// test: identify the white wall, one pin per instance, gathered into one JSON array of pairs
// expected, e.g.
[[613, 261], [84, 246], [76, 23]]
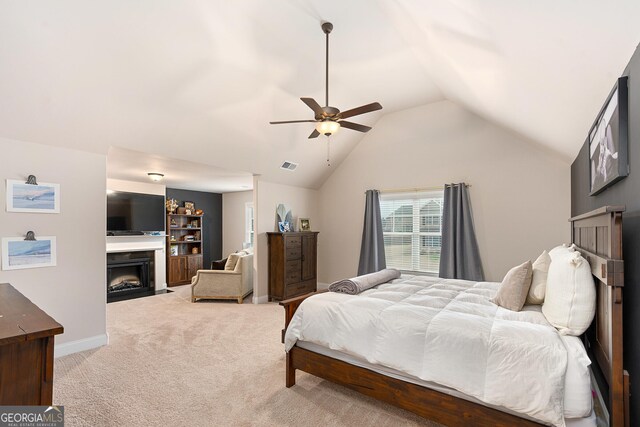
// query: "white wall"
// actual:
[[73, 292], [303, 202], [233, 220], [520, 194]]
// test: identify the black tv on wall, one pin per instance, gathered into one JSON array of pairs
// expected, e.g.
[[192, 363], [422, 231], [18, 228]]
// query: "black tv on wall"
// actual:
[[134, 213]]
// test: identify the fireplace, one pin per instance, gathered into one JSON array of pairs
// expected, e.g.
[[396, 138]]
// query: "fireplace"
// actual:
[[129, 274]]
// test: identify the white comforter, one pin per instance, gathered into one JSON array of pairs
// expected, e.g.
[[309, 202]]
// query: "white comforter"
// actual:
[[448, 332]]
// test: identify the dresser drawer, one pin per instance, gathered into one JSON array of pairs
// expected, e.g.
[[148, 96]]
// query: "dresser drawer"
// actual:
[[292, 272], [293, 247], [301, 288]]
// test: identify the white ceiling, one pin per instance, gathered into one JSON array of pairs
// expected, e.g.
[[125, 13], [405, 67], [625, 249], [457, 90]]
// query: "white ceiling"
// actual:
[[134, 166], [198, 81]]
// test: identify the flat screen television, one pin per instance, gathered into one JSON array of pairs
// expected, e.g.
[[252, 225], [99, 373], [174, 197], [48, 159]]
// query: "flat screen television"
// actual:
[[134, 213]]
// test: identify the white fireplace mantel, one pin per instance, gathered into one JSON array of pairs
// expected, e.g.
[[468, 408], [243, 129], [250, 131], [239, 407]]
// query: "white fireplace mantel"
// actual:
[[143, 243]]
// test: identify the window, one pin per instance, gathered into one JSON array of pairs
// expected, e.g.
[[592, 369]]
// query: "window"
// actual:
[[412, 228], [248, 225]]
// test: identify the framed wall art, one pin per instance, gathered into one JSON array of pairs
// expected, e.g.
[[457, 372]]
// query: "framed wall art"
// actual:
[[18, 253], [608, 141], [304, 224], [32, 198]]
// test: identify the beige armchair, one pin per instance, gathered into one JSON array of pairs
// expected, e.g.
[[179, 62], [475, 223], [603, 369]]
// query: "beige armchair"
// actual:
[[224, 284]]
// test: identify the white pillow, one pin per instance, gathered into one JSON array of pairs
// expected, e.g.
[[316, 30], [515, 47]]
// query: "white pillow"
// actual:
[[561, 250], [570, 297], [539, 280]]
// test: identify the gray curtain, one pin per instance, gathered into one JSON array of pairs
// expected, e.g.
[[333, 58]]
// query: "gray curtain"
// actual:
[[372, 250], [459, 256]]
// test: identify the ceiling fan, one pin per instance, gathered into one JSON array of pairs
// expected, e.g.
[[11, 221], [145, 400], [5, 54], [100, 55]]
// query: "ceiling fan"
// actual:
[[329, 119]]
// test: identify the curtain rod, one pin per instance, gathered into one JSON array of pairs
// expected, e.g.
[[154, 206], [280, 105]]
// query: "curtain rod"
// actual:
[[416, 190]]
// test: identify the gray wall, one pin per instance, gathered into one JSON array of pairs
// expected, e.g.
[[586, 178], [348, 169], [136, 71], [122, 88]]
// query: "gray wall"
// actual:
[[211, 204], [625, 192]]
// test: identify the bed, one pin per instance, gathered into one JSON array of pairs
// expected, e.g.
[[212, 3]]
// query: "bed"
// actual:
[[450, 399]]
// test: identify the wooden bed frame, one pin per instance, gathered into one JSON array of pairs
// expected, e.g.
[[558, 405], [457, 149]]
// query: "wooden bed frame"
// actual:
[[598, 236]]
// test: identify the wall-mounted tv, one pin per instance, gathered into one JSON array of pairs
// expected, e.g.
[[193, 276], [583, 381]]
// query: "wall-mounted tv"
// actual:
[[134, 213]]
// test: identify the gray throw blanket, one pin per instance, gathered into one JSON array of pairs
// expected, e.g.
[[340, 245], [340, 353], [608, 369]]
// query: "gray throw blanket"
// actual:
[[358, 284]]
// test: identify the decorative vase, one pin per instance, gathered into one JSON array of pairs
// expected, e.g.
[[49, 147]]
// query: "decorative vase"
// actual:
[[172, 205]]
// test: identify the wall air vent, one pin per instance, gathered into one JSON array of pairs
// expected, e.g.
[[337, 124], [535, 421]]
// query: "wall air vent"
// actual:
[[290, 166]]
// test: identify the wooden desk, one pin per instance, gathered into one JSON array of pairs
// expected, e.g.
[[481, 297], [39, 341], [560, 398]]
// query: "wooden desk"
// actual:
[[26, 350]]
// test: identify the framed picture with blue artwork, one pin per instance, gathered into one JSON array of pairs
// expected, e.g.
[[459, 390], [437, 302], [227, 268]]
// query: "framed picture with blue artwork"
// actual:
[[32, 198], [18, 253]]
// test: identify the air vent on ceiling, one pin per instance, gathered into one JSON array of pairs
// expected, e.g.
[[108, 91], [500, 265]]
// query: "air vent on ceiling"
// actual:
[[290, 166]]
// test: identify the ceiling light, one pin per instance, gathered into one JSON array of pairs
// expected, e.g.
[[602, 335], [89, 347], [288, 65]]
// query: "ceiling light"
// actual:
[[327, 127], [155, 176]]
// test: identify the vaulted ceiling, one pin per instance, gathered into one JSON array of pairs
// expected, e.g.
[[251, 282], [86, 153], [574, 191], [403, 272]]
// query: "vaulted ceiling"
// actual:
[[200, 80]]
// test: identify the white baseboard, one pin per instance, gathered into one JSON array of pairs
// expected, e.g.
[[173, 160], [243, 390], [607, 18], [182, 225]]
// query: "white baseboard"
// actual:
[[80, 345], [261, 300], [323, 286]]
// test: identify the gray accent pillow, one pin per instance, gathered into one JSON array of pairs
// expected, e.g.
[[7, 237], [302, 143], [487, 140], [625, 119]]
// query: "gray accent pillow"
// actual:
[[515, 287]]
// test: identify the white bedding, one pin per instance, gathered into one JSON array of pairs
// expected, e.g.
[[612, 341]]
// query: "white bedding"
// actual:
[[447, 332]]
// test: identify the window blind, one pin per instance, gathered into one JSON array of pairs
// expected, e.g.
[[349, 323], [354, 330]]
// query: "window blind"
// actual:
[[412, 229], [249, 225]]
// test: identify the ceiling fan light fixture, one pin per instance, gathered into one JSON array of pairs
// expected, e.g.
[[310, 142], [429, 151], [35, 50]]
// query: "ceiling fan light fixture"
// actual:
[[328, 120], [328, 127], [155, 176]]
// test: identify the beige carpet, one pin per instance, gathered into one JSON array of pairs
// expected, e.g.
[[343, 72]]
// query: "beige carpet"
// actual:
[[171, 362]]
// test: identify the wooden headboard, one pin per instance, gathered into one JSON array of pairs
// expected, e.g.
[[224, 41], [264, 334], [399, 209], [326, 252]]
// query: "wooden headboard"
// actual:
[[598, 236]]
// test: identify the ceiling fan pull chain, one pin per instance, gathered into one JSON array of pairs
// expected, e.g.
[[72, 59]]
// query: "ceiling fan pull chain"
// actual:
[[328, 151]]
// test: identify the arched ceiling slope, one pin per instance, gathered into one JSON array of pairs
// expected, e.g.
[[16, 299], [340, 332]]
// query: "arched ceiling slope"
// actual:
[[199, 80]]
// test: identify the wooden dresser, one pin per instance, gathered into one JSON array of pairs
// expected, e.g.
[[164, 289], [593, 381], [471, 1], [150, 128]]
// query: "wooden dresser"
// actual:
[[26, 350], [292, 264]]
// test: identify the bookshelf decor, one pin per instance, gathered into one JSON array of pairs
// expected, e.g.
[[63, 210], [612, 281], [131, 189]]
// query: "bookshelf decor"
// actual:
[[185, 242]]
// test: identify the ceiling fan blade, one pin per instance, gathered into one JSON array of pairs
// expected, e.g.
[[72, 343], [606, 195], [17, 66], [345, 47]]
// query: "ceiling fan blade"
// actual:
[[293, 121], [311, 103], [354, 126], [361, 110], [314, 134]]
